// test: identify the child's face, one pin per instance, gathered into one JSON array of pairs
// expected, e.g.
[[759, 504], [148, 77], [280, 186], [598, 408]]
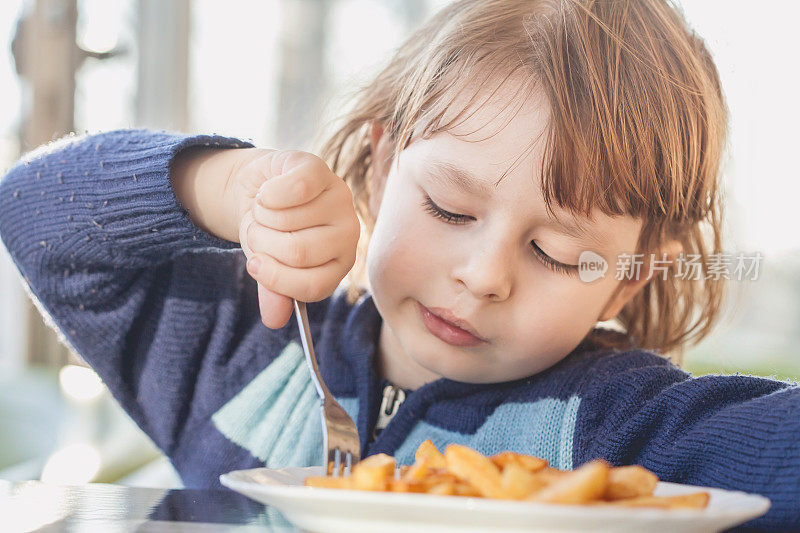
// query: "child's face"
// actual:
[[483, 270]]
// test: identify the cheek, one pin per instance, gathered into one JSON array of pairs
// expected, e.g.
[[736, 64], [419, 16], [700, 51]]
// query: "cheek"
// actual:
[[559, 314], [398, 252]]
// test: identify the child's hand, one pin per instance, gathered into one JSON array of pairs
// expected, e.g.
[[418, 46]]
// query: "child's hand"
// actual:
[[299, 229]]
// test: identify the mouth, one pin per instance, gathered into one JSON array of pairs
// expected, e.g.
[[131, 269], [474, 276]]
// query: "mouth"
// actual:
[[453, 331]]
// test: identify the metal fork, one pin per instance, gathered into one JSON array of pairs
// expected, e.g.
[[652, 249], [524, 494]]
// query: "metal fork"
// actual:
[[339, 433]]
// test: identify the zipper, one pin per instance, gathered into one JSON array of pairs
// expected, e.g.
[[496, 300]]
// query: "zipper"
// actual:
[[392, 398]]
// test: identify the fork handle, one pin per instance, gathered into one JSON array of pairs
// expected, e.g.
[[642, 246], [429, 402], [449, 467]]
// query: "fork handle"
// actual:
[[308, 348]]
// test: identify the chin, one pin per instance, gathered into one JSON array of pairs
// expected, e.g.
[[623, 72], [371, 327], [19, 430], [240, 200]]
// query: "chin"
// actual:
[[455, 371], [477, 378], [486, 373]]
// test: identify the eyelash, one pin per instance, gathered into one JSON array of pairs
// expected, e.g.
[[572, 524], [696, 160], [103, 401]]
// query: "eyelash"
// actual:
[[454, 218]]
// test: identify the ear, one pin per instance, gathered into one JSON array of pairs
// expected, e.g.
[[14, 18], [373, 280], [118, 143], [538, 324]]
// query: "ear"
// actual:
[[381, 161], [628, 288]]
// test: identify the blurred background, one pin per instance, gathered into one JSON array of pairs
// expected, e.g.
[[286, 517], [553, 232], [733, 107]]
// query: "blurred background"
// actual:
[[275, 72]]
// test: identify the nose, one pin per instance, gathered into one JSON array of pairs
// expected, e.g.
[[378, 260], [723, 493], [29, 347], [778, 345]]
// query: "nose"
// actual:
[[487, 273]]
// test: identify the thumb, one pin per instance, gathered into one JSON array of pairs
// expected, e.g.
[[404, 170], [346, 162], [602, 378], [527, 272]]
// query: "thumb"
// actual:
[[276, 309]]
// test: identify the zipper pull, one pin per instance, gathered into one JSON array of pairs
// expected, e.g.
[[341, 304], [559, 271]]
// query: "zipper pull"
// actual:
[[392, 398]]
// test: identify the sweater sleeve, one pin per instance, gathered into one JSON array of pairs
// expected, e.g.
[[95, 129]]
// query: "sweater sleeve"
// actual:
[[112, 260], [733, 432]]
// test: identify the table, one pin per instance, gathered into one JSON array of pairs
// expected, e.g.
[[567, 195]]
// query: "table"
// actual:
[[36, 506]]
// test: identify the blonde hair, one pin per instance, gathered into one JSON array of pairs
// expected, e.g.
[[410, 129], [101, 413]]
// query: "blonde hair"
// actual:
[[636, 106]]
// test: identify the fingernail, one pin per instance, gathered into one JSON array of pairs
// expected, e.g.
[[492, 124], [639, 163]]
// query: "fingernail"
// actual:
[[253, 265]]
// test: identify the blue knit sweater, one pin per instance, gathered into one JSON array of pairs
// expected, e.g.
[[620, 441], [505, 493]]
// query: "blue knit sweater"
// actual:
[[169, 318]]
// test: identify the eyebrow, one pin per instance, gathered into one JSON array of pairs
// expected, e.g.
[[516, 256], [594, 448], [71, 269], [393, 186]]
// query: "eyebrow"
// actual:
[[449, 175], [577, 231]]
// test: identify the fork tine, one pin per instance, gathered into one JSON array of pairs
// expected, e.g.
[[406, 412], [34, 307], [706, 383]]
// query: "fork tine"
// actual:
[[331, 463], [348, 463], [338, 462]]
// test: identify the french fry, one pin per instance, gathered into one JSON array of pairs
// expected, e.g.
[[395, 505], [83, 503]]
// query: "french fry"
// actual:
[[549, 474], [427, 450], [462, 471], [418, 471], [465, 489], [374, 472], [325, 482], [439, 476], [629, 482], [399, 485], [519, 482], [584, 484], [474, 468], [695, 500], [447, 488], [529, 462]]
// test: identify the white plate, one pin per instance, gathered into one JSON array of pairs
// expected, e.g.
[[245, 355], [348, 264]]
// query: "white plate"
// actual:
[[351, 511]]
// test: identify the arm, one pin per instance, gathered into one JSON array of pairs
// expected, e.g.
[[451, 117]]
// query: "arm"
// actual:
[[733, 432], [116, 265]]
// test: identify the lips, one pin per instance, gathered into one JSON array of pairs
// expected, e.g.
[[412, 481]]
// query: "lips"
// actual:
[[447, 315], [448, 328]]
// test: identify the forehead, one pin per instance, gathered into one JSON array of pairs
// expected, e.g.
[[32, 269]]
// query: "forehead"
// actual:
[[490, 129], [509, 108], [491, 139]]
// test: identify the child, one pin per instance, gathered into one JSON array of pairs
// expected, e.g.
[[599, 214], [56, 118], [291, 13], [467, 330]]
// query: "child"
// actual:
[[503, 141]]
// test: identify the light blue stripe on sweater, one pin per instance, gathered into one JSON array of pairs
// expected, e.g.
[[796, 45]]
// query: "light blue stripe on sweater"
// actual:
[[276, 416], [543, 428]]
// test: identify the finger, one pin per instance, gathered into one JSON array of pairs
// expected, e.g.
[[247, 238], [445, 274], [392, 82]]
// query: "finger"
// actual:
[[296, 187], [252, 173], [276, 309], [279, 162], [305, 248], [314, 213], [305, 284]]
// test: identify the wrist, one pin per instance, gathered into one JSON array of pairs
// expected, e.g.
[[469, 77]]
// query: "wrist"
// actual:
[[200, 179]]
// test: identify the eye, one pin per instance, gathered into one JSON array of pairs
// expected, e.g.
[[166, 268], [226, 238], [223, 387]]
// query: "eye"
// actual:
[[447, 216], [455, 218], [552, 264]]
